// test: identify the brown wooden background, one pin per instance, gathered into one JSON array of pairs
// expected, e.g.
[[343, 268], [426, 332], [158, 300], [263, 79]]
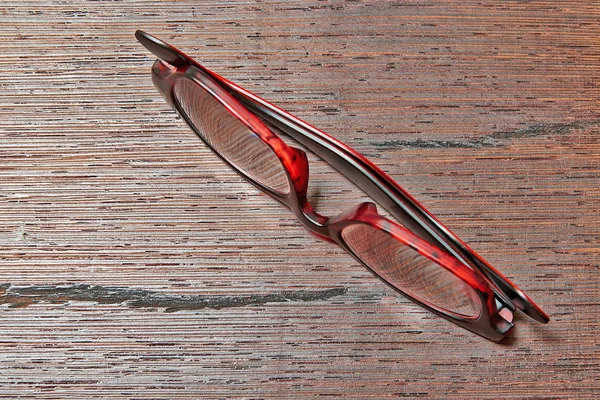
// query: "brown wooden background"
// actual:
[[118, 228]]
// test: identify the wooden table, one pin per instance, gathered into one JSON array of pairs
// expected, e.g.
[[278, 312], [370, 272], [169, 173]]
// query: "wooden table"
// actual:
[[134, 264]]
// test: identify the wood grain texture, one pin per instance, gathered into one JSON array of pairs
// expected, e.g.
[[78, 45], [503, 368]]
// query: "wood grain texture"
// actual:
[[111, 210]]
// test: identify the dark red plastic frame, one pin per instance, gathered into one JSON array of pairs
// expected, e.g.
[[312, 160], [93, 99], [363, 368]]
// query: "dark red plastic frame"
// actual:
[[499, 297]]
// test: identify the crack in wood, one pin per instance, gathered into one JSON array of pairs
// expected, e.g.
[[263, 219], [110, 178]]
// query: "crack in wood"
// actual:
[[23, 296], [495, 139]]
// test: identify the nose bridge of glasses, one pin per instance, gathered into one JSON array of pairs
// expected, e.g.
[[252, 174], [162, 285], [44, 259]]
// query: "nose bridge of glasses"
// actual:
[[296, 163]]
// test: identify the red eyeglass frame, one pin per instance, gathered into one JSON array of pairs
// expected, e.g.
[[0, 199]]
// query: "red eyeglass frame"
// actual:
[[424, 233]]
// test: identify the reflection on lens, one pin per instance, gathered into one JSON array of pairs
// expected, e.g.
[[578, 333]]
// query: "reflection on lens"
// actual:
[[230, 137], [410, 272]]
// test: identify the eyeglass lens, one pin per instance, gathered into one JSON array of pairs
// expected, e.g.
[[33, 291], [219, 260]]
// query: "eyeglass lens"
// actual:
[[228, 136], [411, 272]]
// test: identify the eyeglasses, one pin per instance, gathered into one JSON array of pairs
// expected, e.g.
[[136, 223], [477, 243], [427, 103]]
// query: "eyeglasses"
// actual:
[[419, 257]]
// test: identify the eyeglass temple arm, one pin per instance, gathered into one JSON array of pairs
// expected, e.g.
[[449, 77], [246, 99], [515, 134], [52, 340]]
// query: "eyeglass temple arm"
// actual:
[[366, 175]]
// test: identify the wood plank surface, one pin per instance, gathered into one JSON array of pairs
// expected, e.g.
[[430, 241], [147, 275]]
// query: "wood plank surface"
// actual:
[[134, 264]]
